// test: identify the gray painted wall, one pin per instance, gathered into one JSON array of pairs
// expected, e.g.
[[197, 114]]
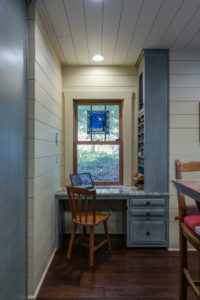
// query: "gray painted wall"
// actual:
[[13, 47]]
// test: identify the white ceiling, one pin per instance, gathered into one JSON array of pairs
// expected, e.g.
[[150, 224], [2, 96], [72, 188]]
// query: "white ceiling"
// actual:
[[120, 29]]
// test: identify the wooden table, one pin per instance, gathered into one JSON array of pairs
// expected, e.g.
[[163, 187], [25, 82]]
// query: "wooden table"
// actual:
[[190, 187]]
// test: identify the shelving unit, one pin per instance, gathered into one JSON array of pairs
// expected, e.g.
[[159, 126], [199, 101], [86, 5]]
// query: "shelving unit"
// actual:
[[147, 216], [141, 142]]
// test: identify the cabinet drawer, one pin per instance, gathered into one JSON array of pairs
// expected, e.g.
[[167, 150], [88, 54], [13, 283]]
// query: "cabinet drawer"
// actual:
[[147, 232], [147, 212], [147, 202]]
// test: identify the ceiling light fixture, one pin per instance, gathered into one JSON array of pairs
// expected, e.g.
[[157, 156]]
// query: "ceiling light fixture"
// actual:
[[98, 57]]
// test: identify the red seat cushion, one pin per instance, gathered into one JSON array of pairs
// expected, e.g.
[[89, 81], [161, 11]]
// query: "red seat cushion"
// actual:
[[192, 221]]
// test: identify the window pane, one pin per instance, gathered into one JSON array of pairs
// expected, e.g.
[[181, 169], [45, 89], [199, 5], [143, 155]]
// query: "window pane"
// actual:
[[98, 107], [114, 122], [82, 123], [102, 161]]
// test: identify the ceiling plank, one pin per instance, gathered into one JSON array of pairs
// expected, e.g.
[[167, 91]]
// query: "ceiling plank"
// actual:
[[195, 42], [110, 28], [183, 16], [51, 30], [163, 21], [94, 16], [75, 14], [189, 32], [68, 51], [56, 11], [130, 13], [149, 13], [119, 29]]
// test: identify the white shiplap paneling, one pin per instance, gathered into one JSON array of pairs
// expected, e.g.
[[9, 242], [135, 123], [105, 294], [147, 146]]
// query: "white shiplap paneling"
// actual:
[[45, 156], [143, 28], [111, 28], [102, 83], [119, 29], [130, 15], [75, 12], [165, 17], [94, 17], [179, 23], [184, 121]]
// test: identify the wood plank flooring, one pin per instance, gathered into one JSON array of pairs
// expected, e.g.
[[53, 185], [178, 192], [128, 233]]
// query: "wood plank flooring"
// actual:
[[129, 274]]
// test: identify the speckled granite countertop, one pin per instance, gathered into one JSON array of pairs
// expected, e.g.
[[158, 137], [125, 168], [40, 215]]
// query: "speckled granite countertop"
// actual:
[[112, 191]]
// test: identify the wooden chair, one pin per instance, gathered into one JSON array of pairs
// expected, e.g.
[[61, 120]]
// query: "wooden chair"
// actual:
[[78, 201], [189, 218]]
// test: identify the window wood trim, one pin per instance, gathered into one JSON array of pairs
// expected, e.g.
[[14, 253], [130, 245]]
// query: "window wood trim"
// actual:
[[120, 142]]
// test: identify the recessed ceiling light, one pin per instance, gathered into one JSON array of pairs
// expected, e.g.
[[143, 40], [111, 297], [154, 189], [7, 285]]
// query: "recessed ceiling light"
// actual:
[[98, 57]]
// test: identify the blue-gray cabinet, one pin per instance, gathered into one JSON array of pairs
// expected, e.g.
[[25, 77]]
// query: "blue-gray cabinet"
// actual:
[[147, 222], [147, 218]]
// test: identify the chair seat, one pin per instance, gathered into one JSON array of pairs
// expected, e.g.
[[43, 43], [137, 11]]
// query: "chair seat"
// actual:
[[192, 221], [100, 217], [192, 210]]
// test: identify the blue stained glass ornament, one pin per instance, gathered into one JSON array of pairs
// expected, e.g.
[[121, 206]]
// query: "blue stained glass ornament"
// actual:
[[98, 121]]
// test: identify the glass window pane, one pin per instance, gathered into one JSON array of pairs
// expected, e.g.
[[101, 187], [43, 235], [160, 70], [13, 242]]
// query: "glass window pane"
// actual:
[[98, 107], [114, 122], [102, 161], [98, 137], [82, 123]]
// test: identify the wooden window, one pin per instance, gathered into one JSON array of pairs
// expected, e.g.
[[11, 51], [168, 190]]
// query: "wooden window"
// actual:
[[101, 154]]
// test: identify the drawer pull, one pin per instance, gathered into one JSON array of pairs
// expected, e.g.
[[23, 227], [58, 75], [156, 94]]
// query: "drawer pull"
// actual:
[[147, 233], [147, 214], [148, 203]]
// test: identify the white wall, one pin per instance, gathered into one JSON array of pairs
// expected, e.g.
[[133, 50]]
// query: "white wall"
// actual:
[[45, 156], [98, 82], [102, 82], [184, 96]]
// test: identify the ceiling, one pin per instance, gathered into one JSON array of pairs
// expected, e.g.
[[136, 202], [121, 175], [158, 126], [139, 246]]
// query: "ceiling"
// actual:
[[120, 29]]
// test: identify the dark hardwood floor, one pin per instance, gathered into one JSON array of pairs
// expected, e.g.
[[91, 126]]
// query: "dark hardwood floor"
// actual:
[[137, 274]]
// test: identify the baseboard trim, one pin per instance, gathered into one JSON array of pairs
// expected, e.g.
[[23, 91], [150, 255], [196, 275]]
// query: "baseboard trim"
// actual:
[[173, 249], [43, 276], [177, 249]]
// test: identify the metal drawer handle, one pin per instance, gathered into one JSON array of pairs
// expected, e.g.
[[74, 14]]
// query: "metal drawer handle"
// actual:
[[148, 203], [147, 214], [147, 233]]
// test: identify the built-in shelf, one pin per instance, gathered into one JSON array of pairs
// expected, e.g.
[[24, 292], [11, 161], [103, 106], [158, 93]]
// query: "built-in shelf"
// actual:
[[140, 123]]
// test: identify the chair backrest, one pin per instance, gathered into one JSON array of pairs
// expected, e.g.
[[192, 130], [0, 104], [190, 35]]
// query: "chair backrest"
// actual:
[[190, 166], [78, 202]]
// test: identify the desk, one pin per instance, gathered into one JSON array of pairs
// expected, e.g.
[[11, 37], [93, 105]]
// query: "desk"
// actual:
[[146, 214]]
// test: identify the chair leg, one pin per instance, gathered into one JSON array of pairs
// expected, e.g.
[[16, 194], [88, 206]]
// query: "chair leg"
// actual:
[[91, 250], [182, 264], [69, 251], [107, 234]]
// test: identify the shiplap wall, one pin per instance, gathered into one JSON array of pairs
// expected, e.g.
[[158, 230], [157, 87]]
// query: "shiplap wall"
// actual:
[[184, 96], [103, 82], [45, 156]]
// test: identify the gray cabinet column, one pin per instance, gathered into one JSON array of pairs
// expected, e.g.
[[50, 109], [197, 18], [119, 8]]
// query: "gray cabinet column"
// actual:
[[156, 120]]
